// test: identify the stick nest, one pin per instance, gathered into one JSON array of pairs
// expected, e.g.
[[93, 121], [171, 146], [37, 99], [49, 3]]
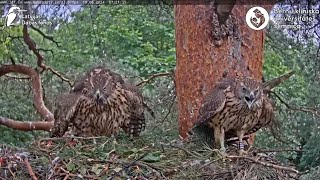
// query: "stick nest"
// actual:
[[124, 158]]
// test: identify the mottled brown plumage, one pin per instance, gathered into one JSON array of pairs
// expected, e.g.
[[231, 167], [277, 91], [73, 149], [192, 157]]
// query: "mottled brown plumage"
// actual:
[[105, 105], [63, 104], [234, 107]]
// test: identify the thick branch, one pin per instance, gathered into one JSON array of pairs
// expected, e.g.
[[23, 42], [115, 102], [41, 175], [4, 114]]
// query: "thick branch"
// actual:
[[152, 77], [26, 126], [36, 87], [32, 46]]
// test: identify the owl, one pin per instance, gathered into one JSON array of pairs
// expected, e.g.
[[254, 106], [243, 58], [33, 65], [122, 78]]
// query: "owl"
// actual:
[[103, 106], [234, 107]]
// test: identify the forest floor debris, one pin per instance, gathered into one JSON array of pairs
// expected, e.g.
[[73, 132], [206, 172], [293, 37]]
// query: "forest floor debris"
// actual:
[[124, 158]]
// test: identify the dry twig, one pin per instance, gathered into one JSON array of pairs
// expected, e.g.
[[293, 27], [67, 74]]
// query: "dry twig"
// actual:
[[277, 150], [44, 35], [296, 108], [265, 163], [154, 76], [30, 170], [17, 77]]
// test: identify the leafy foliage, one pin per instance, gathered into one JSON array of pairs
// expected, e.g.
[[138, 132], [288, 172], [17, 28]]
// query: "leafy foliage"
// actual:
[[138, 41], [299, 129]]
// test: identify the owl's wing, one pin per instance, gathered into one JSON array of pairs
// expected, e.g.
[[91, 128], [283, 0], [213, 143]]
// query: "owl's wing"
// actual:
[[214, 101], [137, 119], [63, 105], [134, 89]]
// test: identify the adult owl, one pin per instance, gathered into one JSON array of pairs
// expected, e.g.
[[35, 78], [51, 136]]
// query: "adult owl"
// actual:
[[234, 107], [104, 106]]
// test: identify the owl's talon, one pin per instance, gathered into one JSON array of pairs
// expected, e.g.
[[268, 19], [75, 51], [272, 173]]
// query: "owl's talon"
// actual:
[[243, 152]]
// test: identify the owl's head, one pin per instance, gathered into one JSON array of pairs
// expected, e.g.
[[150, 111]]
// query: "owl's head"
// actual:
[[249, 91], [98, 86]]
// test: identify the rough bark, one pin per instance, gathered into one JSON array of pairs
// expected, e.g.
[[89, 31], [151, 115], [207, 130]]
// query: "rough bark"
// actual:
[[201, 62]]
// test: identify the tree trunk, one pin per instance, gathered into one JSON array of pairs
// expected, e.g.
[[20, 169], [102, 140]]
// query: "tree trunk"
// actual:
[[202, 60]]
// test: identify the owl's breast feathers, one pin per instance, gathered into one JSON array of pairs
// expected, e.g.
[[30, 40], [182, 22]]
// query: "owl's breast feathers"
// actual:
[[91, 119]]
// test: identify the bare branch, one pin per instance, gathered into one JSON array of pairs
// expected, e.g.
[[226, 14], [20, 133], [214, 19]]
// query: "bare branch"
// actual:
[[30, 170], [26, 125], [40, 60], [46, 50], [60, 76], [16, 77], [296, 108], [12, 61], [44, 35], [154, 76], [265, 163], [36, 87], [277, 150]]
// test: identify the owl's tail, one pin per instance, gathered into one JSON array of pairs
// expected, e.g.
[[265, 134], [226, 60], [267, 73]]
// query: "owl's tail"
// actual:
[[202, 133]]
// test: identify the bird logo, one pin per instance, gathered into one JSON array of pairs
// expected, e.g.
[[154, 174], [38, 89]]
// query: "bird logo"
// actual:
[[12, 16], [257, 18]]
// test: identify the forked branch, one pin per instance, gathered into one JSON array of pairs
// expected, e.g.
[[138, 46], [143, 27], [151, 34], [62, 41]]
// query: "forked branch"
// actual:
[[44, 35], [40, 60], [36, 87], [297, 108]]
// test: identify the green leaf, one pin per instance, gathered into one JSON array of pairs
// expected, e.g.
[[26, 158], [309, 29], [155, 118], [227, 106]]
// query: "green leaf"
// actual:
[[152, 157], [83, 170], [71, 166]]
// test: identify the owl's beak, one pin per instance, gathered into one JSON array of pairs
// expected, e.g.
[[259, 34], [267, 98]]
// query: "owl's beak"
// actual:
[[98, 96], [250, 100]]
